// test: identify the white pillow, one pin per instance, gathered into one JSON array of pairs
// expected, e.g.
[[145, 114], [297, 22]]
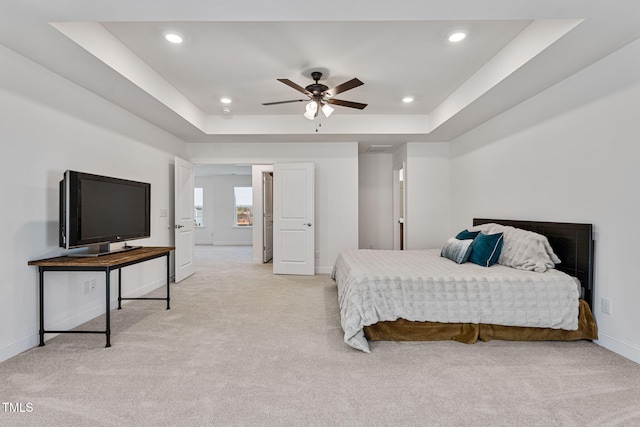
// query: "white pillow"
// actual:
[[522, 249], [457, 250]]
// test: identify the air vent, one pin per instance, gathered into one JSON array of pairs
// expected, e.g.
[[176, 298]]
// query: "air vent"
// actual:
[[382, 148]]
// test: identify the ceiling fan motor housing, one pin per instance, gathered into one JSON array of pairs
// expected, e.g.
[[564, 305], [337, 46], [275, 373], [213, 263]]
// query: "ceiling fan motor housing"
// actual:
[[317, 88]]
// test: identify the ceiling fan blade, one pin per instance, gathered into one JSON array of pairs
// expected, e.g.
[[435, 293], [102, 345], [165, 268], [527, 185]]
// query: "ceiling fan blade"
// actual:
[[285, 102], [295, 86], [342, 103], [344, 87]]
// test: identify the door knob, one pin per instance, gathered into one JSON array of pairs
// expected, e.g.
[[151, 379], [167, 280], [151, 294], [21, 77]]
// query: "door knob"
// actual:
[[178, 226], [308, 224]]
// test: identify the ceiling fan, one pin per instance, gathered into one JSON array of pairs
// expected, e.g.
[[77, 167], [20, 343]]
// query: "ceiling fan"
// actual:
[[320, 96]]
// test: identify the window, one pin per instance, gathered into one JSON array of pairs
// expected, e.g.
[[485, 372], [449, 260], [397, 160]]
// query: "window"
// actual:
[[244, 206], [198, 203]]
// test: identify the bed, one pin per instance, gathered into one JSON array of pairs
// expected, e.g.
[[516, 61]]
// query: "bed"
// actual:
[[420, 295]]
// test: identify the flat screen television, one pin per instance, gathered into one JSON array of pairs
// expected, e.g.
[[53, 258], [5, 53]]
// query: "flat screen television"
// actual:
[[96, 211]]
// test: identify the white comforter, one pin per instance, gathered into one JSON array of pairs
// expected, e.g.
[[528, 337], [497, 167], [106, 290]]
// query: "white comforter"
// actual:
[[419, 285]]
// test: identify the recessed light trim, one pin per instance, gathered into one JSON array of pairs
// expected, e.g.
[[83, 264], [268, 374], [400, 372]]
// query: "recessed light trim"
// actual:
[[457, 36], [225, 100], [174, 38], [407, 99]]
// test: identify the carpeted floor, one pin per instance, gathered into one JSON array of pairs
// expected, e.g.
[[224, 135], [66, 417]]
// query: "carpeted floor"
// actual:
[[243, 347]]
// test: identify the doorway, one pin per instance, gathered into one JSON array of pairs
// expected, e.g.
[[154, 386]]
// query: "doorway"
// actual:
[[224, 211], [267, 221], [399, 208], [262, 230], [262, 237]]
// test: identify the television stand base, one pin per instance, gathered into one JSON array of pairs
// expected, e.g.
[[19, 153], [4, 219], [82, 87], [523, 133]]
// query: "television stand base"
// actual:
[[96, 251]]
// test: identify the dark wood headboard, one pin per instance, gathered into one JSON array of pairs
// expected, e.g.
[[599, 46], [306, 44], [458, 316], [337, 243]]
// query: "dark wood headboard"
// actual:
[[573, 243]]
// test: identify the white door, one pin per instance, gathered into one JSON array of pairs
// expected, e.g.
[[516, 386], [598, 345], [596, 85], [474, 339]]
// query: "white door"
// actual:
[[267, 213], [184, 221], [293, 219]]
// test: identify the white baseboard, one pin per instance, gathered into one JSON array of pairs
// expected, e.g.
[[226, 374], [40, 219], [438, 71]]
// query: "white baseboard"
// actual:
[[20, 346], [160, 283], [232, 243], [624, 349], [204, 242], [324, 270]]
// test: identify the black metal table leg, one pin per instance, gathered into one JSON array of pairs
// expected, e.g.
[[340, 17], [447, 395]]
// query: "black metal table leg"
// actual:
[[168, 306], [41, 271], [108, 306], [119, 289]]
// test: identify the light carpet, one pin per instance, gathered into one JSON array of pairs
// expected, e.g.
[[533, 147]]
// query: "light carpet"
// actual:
[[243, 347]]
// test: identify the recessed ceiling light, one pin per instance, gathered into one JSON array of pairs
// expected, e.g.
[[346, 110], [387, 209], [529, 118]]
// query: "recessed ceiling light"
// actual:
[[225, 100], [407, 99], [173, 38], [458, 36]]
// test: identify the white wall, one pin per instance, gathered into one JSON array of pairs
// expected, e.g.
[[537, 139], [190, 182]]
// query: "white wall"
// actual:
[[336, 192], [427, 195], [219, 211], [569, 154], [48, 125], [375, 201]]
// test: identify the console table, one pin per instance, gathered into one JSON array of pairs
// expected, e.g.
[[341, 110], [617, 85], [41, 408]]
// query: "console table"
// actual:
[[106, 264]]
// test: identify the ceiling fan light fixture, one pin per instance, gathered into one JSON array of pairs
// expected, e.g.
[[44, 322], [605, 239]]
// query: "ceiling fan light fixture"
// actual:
[[311, 110], [327, 110], [312, 107]]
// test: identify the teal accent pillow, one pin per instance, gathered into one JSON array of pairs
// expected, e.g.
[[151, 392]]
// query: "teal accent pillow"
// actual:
[[457, 250], [466, 234], [486, 248]]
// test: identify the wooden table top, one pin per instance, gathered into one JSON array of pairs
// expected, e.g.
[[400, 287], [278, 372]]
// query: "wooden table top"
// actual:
[[109, 260]]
